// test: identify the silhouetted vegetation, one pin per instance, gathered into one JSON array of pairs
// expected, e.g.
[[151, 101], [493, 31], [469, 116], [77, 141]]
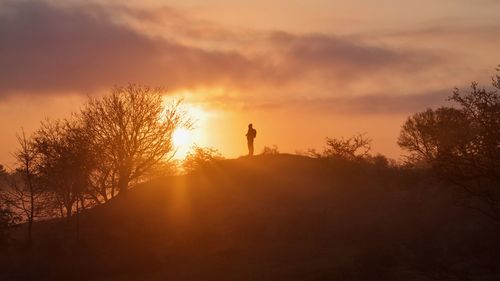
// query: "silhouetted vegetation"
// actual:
[[66, 161], [22, 190], [73, 164], [354, 148], [7, 219], [199, 157], [7, 216], [133, 129], [270, 150], [462, 145]]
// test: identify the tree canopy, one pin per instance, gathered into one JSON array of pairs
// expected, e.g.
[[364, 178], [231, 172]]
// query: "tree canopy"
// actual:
[[462, 144]]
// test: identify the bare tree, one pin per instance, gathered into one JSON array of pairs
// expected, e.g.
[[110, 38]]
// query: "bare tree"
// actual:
[[22, 192], [428, 135], [353, 148], [65, 163], [462, 145], [102, 181], [133, 129]]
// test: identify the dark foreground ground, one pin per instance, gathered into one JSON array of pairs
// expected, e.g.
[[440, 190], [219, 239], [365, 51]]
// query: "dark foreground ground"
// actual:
[[269, 218]]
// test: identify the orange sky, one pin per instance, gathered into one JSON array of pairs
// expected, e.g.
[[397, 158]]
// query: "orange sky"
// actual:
[[298, 70]]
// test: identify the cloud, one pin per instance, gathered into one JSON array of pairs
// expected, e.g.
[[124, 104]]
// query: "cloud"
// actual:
[[379, 104], [357, 105], [345, 60], [48, 48]]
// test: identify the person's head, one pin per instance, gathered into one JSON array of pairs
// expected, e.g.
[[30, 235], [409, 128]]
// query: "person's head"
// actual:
[[250, 126]]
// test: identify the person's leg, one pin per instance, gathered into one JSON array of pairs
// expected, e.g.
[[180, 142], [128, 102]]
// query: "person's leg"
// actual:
[[251, 147]]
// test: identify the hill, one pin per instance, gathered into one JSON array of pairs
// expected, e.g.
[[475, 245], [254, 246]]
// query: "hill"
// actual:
[[280, 217]]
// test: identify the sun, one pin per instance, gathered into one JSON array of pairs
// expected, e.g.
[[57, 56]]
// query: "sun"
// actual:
[[182, 137], [182, 140]]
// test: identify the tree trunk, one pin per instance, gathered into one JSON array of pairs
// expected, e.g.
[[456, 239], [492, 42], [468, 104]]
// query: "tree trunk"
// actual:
[[32, 205], [30, 227], [122, 186], [77, 222], [123, 180], [69, 208]]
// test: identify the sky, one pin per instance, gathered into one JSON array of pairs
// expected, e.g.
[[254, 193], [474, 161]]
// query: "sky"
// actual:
[[300, 71]]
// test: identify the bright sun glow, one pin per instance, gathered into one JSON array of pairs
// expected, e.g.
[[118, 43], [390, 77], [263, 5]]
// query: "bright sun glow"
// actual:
[[182, 137]]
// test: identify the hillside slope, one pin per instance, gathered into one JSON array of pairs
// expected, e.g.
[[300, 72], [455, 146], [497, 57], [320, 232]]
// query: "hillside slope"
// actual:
[[279, 217]]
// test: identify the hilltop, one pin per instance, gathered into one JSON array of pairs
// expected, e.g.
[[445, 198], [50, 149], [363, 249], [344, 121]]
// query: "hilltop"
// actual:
[[270, 217]]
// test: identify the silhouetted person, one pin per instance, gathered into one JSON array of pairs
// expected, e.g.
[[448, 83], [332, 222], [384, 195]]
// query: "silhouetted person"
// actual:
[[251, 134]]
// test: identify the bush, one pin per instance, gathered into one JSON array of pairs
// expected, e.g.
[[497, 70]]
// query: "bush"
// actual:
[[270, 150], [199, 157]]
